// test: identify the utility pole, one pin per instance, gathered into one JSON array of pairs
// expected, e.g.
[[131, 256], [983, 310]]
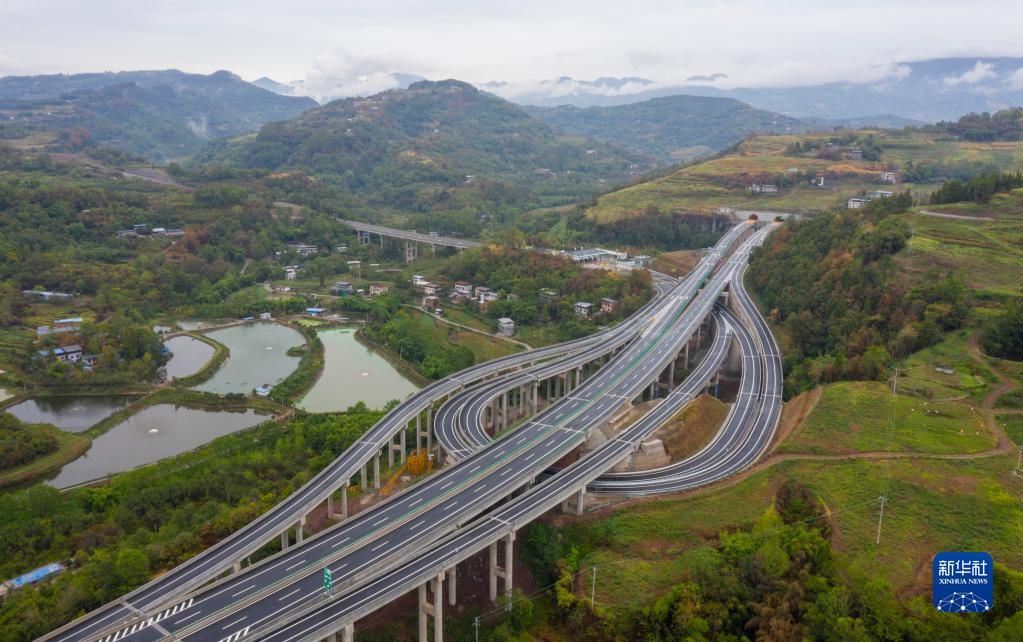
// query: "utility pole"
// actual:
[[880, 518], [476, 625], [1019, 464], [593, 589]]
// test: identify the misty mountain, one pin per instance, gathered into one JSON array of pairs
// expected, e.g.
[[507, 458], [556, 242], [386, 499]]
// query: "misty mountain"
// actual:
[[673, 128], [162, 115], [324, 87], [927, 91], [433, 146]]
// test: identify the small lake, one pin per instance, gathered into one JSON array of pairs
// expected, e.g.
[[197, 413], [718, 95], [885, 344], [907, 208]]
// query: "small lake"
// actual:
[[188, 355], [152, 434], [258, 356], [73, 413], [353, 373]]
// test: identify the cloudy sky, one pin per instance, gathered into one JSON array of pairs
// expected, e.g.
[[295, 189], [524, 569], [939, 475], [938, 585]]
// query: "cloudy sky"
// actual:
[[324, 41]]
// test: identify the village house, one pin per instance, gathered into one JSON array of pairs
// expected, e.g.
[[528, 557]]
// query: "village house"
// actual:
[[765, 188], [854, 153], [315, 312], [642, 260], [487, 295], [463, 288], [879, 194], [548, 296], [856, 203], [70, 354], [291, 272], [280, 289], [342, 288], [608, 305], [431, 289], [583, 309], [376, 289], [888, 177], [505, 327], [303, 249], [430, 302]]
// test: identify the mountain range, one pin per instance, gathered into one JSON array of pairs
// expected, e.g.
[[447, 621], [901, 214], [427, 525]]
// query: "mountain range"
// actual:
[[922, 91], [672, 128], [161, 115]]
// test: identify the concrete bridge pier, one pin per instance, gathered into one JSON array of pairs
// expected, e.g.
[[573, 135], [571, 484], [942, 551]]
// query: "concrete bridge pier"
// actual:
[[576, 504], [452, 585], [504, 572], [411, 251], [376, 471], [436, 609], [344, 504]]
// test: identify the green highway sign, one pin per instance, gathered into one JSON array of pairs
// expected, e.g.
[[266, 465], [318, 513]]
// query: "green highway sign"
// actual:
[[326, 579]]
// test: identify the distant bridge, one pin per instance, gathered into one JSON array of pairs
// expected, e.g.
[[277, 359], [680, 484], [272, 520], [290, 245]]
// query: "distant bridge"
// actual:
[[410, 237]]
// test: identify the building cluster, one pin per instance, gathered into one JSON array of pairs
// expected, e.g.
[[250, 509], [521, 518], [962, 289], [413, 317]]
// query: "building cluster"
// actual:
[[143, 229], [763, 188], [609, 259], [857, 203], [60, 326], [70, 354], [587, 310]]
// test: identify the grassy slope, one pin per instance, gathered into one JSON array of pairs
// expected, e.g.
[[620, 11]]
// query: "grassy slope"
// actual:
[[702, 187], [482, 347], [934, 503], [987, 255]]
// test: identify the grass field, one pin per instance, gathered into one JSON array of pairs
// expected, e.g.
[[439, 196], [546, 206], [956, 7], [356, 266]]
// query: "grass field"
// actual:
[[1013, 426], [483, 347], [723, 182], [854, 417], [986, 254], [932, 506], [919, 378]]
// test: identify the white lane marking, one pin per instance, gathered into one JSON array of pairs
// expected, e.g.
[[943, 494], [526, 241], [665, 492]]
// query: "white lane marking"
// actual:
[[479, 488], [531, 455], [180, 620], [475, 469], [284, 597], [378, 546], [446, 485], [238, 621], [505, 472], [380, 521], [341, 542], [296, 564], [417, 501], [451, 505], [418, 524], [241, 591]]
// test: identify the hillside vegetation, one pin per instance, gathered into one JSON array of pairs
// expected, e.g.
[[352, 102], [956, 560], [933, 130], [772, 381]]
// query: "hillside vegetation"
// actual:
[[920, 159], [437, 146], [162, 115], [673, 128]]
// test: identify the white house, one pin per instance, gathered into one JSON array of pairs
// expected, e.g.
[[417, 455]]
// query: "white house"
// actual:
[[856, 203], [463, 288], [583, 309], [505, 327]]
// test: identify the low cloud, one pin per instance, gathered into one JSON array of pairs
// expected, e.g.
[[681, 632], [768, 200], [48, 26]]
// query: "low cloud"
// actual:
[[1015, 80], [342, 74], [981, 71]]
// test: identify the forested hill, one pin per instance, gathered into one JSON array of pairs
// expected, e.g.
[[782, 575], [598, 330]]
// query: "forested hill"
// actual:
[[673, 128], [162, 115], [435, 146]]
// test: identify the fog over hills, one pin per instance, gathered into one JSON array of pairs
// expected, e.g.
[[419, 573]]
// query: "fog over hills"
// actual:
[[929, 90]]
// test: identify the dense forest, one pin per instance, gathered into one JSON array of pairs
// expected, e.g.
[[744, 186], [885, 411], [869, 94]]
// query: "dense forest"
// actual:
[[1006, 124], [20, 443], [830, 282]]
